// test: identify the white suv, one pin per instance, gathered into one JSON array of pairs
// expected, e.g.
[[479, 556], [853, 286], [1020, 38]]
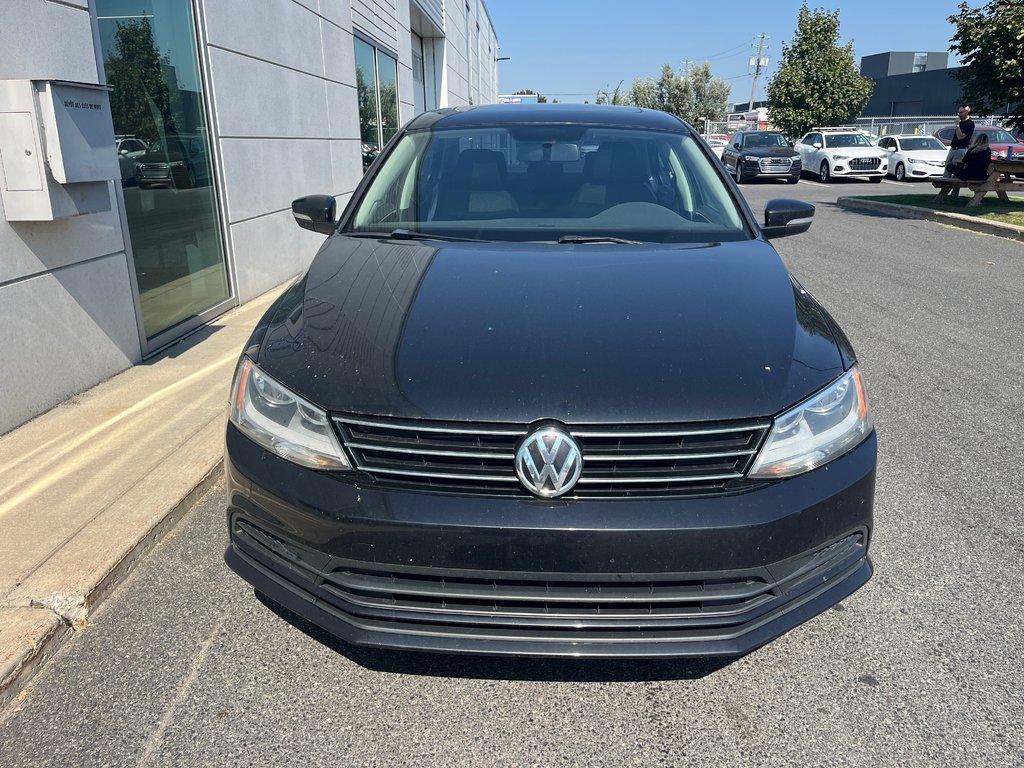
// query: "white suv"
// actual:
[[832, 152]]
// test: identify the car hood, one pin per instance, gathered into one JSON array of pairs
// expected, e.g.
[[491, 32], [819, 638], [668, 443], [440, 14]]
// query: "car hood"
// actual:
[[926, 154], [520, 332], [856, 151], [771, 152], [1002, 146]]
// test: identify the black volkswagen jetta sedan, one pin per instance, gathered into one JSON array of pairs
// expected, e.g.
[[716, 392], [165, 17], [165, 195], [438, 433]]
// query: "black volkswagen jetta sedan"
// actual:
[[526, 401]]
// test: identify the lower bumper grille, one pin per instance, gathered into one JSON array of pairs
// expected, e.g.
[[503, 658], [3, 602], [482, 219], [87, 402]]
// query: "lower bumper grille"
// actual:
[[538, 606], [864, 163]]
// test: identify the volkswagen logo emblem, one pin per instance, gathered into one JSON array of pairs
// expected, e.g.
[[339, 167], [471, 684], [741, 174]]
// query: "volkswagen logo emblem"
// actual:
[[549, 462]]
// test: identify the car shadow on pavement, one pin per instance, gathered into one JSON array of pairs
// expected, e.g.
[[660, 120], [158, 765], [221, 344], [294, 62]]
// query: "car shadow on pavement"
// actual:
[[505, 668]]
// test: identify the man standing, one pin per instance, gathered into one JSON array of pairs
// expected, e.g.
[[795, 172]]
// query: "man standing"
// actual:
[[962, 135]]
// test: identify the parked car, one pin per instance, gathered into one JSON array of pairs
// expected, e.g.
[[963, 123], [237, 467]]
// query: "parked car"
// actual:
[[752, 154], [717, 145], [1000, 140], [832, 152], [617, 426], [914, 157], [129, 150], [176, 160]]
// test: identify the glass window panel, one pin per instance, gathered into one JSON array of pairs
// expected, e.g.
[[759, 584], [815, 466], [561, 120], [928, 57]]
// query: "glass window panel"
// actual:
[[151, 63], [366, 85], [387, 71]]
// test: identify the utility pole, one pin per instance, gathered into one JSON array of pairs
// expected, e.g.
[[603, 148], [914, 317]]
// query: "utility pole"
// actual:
[[759, 64]]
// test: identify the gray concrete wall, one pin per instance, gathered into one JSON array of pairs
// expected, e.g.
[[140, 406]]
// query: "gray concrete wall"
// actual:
[[66, 303], [286, 121]]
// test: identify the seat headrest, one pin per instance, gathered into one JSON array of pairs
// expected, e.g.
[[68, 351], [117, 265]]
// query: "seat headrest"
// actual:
[[481, 169], [613, 160]]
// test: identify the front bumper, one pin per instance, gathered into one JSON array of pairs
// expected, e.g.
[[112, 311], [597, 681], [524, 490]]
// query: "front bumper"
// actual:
[[718, 575], [754, 168], [842, 168]]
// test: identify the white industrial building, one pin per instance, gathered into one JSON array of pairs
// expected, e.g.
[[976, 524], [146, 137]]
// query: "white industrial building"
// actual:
[[136, 211]]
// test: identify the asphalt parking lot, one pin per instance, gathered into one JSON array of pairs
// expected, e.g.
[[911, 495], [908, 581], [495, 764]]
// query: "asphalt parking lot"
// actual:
[[184, 665]]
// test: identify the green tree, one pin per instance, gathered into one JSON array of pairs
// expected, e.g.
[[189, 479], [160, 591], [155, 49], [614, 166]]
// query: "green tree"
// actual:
[[528, 92], [817, 82], [693, 95], [990, 41], [617, 97], [140, 101]]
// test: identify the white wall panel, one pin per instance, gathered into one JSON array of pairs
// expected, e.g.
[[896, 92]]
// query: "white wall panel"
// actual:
[[269, 250], [279, 31], [339, 54], [264, 175], [347, 166], [342, 111], [31, 247], [64, 332], [255, 98], [338, 11], [378, 19], [46, 41]]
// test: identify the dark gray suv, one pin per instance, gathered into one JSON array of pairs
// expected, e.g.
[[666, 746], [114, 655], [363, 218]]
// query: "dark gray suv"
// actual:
[[755, 154]]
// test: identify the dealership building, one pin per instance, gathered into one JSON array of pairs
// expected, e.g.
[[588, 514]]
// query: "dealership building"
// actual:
[[150, 151]]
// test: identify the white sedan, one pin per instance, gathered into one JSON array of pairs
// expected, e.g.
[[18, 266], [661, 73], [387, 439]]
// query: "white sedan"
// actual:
[[914, 157], [717, 146]]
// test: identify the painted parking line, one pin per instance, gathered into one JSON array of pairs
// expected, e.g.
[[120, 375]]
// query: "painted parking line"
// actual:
[[815, 183]]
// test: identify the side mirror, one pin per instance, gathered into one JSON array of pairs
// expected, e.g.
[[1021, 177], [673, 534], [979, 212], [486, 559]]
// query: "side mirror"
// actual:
[[123, 152], [816, 145], [315, 212], [784, 216]]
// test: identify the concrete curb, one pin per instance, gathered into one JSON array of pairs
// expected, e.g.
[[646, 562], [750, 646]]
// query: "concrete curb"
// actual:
[[125, 460], [1009, 231], [39, 632]]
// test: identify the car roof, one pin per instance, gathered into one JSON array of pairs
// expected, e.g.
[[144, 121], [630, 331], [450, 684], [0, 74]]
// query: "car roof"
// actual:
[[525, 114]]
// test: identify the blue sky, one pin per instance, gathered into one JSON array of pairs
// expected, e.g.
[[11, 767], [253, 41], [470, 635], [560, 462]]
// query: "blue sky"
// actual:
[[569, 49]]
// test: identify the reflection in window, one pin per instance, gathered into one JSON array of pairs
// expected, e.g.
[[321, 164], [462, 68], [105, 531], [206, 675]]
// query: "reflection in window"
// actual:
[[377, 85], [151, 63]]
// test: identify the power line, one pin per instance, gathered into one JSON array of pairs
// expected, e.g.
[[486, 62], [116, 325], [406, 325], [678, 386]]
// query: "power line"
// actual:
[[727, 50]]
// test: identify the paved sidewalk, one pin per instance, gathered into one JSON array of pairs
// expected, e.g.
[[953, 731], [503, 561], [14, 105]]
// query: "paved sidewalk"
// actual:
[[89, 487]]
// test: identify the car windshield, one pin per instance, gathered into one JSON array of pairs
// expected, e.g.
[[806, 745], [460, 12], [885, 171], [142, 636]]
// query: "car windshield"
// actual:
[[765, 140], [846, 140], [998, 137], [543, 182], [924, 142]]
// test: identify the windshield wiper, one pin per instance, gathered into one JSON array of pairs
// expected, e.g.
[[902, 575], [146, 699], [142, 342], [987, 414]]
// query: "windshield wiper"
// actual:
[[597, 239], [409, 234]]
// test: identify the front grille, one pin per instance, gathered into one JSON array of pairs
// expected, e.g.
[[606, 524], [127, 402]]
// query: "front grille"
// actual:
[[523, 606], [618, 460], [776, 164], [864, 163], [155, 167]]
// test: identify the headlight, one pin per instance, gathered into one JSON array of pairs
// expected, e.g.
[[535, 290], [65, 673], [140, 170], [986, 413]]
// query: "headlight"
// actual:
[[176, 163], [822, 428], [840, 157], [999, 153], [915, 161], [283, 422]]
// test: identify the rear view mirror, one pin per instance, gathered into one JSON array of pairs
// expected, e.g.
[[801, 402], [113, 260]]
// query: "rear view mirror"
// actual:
[[315, 213], [784, 216], [565, 152]]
